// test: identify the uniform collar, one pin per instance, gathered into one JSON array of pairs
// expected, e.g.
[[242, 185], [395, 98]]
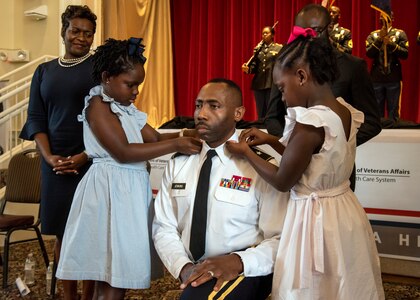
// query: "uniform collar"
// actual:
[[223, 154]]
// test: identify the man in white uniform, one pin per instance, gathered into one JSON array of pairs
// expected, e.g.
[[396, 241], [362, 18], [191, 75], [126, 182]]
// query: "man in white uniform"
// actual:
[[244, 214]]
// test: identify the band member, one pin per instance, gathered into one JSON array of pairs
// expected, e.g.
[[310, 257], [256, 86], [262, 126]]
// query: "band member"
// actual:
[[261, 65], [386, 46], [340, 37]]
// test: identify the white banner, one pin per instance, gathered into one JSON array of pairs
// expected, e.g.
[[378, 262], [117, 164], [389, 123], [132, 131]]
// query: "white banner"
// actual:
[[387, 185]]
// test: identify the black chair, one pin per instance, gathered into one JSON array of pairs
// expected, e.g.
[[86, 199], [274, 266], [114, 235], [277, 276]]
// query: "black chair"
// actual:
[[23, 186]]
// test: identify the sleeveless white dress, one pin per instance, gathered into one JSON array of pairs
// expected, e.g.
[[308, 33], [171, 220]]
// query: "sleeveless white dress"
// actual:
[[106, 236], [327, 248]]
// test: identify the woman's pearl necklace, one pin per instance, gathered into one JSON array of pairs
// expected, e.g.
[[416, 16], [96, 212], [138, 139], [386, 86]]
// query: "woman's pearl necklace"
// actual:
[[71, 62]]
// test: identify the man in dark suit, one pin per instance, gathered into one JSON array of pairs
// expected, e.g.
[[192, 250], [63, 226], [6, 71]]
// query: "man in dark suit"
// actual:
[[353, 85]]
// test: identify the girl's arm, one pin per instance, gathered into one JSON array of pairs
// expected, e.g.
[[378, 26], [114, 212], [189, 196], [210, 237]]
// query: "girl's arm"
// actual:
[[304, 142], [150, 135], [107, 128], [255, 137]]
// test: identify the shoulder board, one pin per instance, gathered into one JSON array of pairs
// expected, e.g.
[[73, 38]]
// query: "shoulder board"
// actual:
[[178, 154], [262, 154]]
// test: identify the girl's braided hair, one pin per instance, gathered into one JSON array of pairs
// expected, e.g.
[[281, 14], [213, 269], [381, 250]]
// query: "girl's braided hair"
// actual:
[[316, 51], [117, 56]]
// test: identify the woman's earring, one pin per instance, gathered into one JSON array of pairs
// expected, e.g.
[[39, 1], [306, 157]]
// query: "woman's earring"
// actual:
[[107, 81], [301, 83]]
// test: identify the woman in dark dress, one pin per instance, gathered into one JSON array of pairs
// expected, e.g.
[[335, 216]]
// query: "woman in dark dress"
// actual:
[[57, 96]]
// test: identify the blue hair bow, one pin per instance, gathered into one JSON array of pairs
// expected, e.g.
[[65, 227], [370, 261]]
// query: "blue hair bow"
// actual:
[[135, 48]]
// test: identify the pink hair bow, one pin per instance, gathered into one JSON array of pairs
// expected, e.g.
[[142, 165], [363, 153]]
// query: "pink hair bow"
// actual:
[[300, 31]]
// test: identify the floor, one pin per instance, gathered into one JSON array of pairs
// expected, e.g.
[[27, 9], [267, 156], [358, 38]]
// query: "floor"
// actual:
[[165, 288]]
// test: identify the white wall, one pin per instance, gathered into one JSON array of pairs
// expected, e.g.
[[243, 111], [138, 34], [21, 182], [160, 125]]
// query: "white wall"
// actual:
[[20, 32]]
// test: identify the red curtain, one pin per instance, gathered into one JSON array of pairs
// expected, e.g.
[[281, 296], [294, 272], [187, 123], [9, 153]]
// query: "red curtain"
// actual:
[[213, 38]]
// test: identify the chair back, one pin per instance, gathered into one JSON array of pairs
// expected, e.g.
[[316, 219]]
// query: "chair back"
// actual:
[[23, 183]]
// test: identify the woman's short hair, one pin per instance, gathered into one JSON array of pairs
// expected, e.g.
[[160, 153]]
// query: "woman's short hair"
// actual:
[[76, 11]]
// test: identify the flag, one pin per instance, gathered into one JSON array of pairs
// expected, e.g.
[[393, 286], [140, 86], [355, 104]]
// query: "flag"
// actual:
[[327, 3], [384, 7]]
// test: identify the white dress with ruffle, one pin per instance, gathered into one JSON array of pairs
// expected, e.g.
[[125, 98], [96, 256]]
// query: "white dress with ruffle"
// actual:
[[327, 248], [106, 236]]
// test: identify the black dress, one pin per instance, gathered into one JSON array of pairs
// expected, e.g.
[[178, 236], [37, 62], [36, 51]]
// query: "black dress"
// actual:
[[56, 98]]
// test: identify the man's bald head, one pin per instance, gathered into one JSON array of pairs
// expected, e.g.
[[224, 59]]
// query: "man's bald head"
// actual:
[[314, 16]]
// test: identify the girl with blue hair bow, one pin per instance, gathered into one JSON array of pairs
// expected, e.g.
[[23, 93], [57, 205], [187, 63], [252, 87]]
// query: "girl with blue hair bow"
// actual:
[[106, 237]]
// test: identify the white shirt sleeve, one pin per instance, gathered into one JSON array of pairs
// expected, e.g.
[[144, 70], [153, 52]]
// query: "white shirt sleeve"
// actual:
[[259, 260], [166, 235]]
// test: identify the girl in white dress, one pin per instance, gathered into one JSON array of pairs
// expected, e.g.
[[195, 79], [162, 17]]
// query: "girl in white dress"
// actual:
[[106, 236], [327, 248]]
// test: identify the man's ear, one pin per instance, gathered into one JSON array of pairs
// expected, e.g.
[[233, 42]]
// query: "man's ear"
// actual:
[[239, 113]]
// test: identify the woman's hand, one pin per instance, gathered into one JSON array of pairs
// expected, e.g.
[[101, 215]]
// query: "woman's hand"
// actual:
[[68, 165], [245, 69]]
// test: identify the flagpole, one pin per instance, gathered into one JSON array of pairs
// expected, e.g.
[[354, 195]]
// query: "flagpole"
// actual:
[[384, 7], [385, 45]]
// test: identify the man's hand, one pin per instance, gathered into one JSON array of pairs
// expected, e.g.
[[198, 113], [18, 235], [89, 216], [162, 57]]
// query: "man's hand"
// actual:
[[223, 268], [186, 272]]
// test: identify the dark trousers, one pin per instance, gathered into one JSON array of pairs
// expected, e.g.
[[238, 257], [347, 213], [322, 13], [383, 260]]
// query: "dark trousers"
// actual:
[[388, 93], [242, 288], [262, 97]]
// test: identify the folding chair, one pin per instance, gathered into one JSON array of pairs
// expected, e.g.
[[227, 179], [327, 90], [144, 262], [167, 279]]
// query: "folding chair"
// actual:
[[23, 186]]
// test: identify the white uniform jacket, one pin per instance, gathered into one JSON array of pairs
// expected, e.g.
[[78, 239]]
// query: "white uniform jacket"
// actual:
[[245, 213]]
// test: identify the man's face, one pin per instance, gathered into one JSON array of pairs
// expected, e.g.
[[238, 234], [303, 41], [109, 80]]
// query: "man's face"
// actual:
[[216, 113], [315, 20], [334, 14]]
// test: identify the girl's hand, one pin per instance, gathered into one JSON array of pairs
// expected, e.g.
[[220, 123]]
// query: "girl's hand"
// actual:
[[238, 149], [188, 145], [255, 137], [190, 132]]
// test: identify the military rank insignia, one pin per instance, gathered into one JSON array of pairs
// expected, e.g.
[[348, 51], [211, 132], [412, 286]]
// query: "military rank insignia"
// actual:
[[236, 183]]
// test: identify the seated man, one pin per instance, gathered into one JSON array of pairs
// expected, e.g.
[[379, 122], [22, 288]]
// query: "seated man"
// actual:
[[241, 218]]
